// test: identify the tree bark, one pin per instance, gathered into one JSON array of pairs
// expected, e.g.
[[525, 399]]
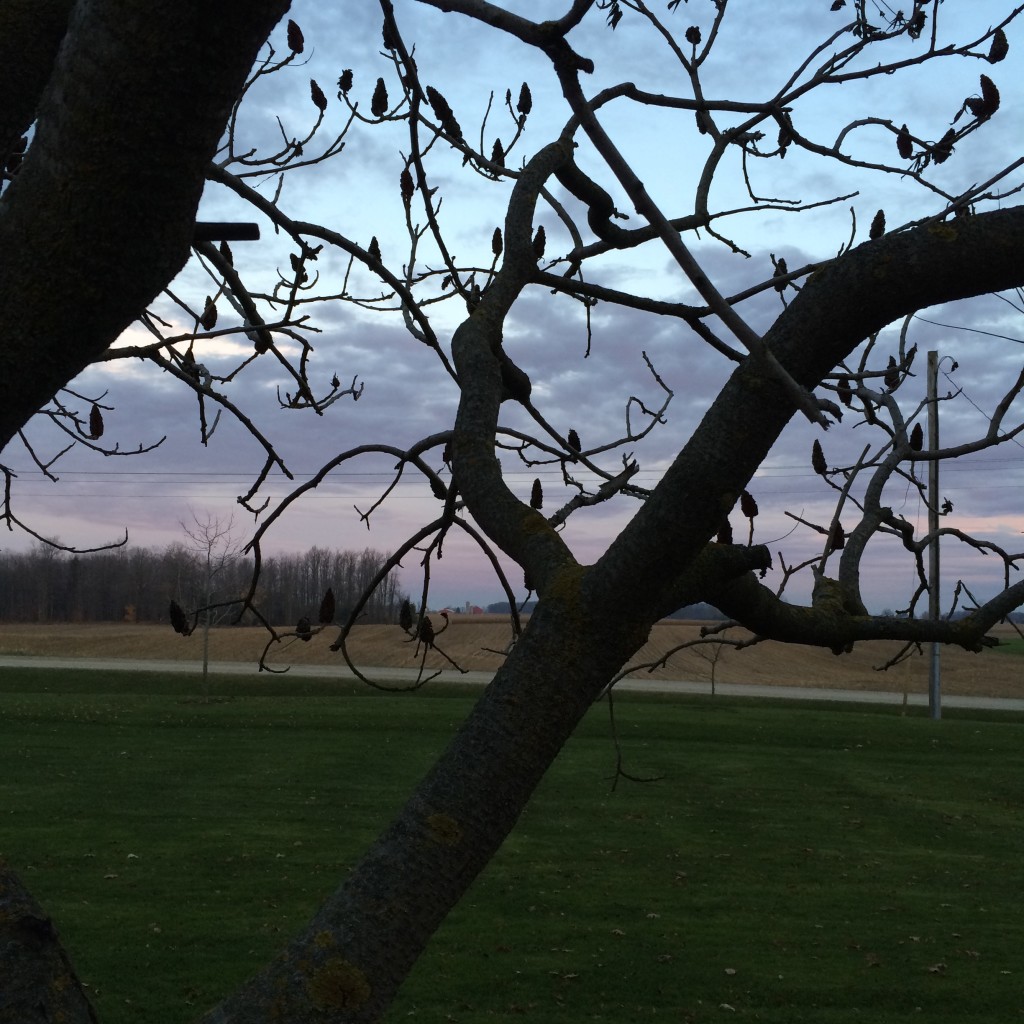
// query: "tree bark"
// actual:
[[100, 216], [38, 985]]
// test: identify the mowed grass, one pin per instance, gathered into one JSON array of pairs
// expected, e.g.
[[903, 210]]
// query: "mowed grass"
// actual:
[[791, 862]]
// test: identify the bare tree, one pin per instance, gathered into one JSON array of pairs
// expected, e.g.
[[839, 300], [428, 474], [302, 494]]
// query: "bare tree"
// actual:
[[811, 341], [216, 550]]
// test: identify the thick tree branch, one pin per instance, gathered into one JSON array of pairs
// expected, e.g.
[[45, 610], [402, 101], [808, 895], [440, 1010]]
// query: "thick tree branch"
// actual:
[[160, 79]]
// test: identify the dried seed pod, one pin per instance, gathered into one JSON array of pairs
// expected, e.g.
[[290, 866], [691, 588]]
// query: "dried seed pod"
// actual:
[[406, 185], [178, 619], [536, 495], [916, 25], [208, 320], [335, 383], [443, 112], [836, 538], [345, 82], [724, 533], [845, 391], [818, 463], [904, 143], [405, 616], [437, 488], [892, 374], [877, 225], [379, 103], [326, 615], [316, 94], [781, 270], [498, 154], [95, 422], [496, 243], [226, 254], [539, 242], [999, 48], [747, 505], [426, 634], [388, 36], [374, 249], [693, 35], [943, 149], [303, 630], [525, 104], [574, 440], [296, 43], [917, 438], [785, 138], [989, 97]]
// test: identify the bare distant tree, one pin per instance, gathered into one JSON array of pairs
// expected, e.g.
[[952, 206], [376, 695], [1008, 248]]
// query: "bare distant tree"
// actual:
[[216, 550]]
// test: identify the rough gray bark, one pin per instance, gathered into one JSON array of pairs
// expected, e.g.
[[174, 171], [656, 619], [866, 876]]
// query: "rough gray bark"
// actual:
[[100, 216], [38, 985]]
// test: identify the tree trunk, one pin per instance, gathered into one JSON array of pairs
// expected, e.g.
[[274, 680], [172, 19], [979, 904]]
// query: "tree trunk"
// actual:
[[363, 942], [37, 982]]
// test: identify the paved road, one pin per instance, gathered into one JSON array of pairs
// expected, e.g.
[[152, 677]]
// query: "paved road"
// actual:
[[395, 675]]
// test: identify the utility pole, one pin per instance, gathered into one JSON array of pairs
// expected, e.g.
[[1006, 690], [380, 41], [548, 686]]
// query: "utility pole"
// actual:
[[934, 611]]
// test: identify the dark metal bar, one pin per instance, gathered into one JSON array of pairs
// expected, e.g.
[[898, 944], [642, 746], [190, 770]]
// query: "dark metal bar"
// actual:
[[221, 231]]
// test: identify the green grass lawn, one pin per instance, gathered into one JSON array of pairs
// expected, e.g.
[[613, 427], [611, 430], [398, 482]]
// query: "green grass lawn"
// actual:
[[791, 863]]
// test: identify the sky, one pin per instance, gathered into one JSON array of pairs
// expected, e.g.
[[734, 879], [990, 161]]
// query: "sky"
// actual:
[[406, 393]]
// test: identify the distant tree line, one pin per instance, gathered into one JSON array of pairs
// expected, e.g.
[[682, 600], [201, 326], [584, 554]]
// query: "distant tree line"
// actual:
[[137, 584]]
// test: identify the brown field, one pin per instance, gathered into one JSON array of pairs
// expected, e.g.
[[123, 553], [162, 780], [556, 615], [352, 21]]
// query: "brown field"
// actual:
[[471, 641]]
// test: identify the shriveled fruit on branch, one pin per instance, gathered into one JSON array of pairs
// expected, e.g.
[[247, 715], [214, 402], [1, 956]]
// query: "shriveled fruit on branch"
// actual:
[[208, 320], [781, 270], [178, 619], [374, 249], [904, 143], [345, 82], [316, 94], [496, 243], [747, 505], [95, 422], [296, 43], [539, 242], [693, 35], [845, 391], [379, 102], [426, 634], [837, 538], [303, 630], [574, 440], [525, 104], [999, 48], [406, 185], [892, 374], [943, 149], [917, 438], [443, 112], [985, 105], [498, 154], [818, 463], [536, 495], [877, 225]]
